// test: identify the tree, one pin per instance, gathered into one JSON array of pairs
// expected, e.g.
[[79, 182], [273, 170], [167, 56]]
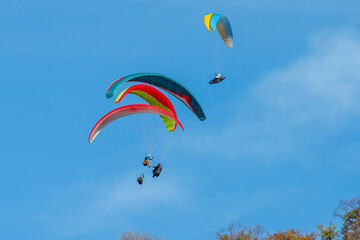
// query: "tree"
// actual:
[[328, 233], [242, 232], [138, 236], [349, 212], [292, 235]]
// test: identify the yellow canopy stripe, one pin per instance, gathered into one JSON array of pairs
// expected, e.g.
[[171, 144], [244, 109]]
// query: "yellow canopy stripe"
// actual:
[[207, 21]]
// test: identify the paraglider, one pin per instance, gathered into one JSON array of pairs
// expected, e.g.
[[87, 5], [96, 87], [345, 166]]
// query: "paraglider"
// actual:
[[221, 24], [157, 170], [129, 110]]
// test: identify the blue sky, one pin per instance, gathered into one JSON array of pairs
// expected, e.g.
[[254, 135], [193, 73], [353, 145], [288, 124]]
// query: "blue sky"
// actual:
[[280, 146]]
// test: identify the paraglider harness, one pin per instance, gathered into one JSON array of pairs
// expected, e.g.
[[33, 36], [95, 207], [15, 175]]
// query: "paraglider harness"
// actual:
[[157, 170], [218, 78], [147, 160], [140, 179]]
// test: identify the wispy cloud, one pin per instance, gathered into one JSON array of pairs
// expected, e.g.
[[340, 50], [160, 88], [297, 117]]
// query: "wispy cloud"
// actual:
[[324, 84], [313, 98]]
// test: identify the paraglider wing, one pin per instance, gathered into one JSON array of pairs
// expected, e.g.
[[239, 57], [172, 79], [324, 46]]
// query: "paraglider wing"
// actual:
[[128, 110], [153, 97], [222, 24], [166, 83]]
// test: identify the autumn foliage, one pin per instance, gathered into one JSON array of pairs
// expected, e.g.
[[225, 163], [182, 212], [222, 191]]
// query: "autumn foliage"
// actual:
[[348, 211]]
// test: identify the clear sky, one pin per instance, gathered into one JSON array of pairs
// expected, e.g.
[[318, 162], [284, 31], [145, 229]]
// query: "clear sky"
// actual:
[[280, 145]]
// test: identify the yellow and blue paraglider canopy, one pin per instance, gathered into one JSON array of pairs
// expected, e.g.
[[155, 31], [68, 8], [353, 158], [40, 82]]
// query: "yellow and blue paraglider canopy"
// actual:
[[222, 24]]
